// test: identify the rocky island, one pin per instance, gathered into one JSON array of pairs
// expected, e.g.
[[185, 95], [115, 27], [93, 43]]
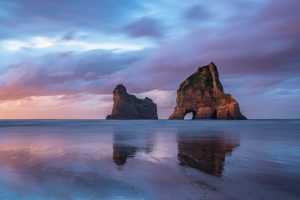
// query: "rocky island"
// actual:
[[202, 95], [128, 106]]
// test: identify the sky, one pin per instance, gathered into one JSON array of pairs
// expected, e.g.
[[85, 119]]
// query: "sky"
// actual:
[[62, 58]]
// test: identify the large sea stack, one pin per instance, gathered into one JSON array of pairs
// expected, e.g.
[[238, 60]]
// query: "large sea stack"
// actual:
[[128, 106], [202, 94]]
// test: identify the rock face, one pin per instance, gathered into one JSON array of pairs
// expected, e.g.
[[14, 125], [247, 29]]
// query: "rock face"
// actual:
[[202, 94], [127, 106]]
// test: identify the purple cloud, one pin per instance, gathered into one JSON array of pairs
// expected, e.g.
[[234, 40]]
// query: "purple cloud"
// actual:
[[145, 27], [197, 12], [64, 74]]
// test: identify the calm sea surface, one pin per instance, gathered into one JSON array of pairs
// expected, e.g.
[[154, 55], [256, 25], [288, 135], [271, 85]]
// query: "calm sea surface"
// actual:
[[98, 159]]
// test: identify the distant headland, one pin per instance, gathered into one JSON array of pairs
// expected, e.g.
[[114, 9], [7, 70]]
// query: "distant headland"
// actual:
[[201, 94]]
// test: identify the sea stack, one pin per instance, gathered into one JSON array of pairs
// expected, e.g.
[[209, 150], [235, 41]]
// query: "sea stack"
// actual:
[[128, 106], [202, 95]]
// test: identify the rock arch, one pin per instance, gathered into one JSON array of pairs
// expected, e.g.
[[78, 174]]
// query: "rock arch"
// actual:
[[202, 93], [187, 112]]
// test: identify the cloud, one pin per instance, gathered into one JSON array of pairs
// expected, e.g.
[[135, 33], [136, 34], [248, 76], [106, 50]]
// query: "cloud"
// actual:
[[197, 12], [145, 27], [65, 73], [55, 16], [39, 42], [34, 42], [69, 36]]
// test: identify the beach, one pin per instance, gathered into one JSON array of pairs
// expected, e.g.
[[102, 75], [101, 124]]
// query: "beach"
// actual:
[[149, 159]]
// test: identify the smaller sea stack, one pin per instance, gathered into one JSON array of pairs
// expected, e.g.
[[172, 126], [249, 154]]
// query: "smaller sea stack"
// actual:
[[128, 106]]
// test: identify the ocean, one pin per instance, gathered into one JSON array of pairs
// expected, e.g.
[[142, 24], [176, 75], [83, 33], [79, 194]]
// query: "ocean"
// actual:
[[149, 159]]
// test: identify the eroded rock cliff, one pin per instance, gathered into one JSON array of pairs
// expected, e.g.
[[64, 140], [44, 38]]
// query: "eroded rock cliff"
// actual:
[[127, 106], [202, 94]]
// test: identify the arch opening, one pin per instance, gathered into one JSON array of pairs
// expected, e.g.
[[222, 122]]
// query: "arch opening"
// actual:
[[190, 114]]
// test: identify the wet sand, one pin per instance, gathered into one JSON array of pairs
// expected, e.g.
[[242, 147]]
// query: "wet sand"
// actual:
[[98, 159]]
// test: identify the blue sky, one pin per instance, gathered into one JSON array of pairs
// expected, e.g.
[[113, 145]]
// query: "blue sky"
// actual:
[[62, 58]]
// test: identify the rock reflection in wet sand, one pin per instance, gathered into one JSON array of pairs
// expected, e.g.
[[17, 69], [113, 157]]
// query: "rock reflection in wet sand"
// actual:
[[124, 147], [206, 154]]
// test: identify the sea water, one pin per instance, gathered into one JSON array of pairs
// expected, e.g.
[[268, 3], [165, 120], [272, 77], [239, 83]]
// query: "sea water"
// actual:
[[145, 159]]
